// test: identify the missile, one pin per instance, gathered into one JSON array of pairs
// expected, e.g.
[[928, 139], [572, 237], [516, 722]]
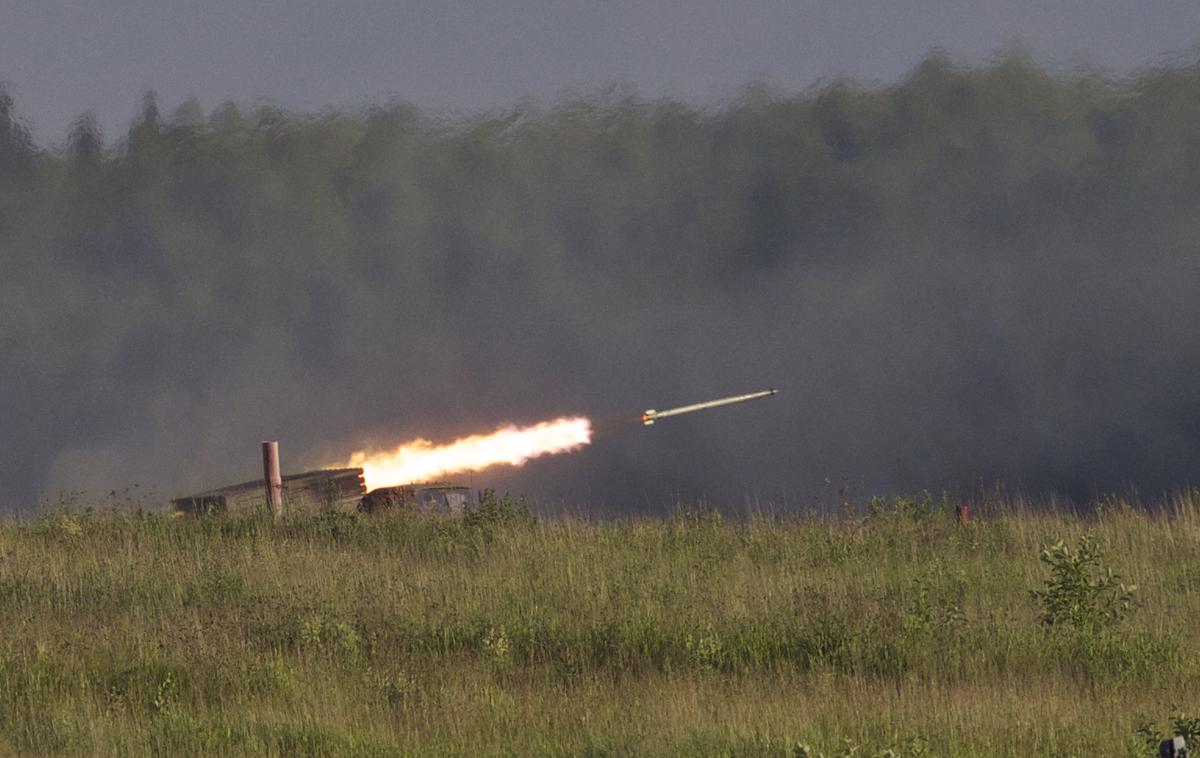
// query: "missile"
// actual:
[[651, 415]]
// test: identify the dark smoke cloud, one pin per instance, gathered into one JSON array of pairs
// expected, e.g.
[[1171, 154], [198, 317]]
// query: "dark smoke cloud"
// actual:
[[977, 274]]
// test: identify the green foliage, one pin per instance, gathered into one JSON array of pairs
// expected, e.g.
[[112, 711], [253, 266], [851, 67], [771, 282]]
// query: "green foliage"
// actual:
[[704, 649], [397, 689], [1080, 593], [1185, 726], [906, 508], [317, 632], [492, 510], [495, 646], [686, 635], [1181, 725], [218, 587], [334, 525]]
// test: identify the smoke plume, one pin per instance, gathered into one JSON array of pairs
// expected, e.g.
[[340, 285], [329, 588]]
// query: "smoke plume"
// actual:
[[974, 274]]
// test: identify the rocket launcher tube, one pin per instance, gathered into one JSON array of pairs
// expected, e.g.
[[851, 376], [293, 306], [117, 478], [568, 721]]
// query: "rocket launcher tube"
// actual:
[[650, 415]]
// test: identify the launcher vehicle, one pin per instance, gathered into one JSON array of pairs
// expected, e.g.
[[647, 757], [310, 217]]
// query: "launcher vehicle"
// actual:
[[435, 497], [330, 490]]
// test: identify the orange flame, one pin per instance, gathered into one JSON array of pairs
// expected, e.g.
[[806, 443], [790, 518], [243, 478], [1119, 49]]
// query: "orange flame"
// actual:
[[422, 461]]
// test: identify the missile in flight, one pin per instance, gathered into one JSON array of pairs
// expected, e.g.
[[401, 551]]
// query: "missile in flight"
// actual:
[[650, 416]]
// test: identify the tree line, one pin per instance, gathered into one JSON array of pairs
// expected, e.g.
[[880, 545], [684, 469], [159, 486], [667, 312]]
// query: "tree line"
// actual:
[[976, 272]]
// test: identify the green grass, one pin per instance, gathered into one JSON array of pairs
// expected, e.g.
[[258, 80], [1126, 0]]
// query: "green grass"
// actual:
[[138, 634]]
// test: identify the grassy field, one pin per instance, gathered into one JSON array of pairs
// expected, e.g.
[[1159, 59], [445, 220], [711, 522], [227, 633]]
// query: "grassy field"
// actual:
[[900, 630]]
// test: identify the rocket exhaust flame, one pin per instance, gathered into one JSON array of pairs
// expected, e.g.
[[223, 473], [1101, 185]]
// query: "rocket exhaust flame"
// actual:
[[423, 461]]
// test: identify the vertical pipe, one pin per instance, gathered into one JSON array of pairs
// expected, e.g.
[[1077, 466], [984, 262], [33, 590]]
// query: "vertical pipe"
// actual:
[[272, 479]]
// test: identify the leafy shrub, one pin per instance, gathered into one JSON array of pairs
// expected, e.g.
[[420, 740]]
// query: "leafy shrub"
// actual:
[[1181, 725], [319, 633], [1080, 594]]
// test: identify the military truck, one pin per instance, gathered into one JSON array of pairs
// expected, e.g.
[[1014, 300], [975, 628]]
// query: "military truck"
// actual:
[[329, 490], [435, 497]]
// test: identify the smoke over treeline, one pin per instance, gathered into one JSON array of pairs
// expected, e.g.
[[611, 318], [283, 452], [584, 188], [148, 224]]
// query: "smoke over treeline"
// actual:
[[977, 273]]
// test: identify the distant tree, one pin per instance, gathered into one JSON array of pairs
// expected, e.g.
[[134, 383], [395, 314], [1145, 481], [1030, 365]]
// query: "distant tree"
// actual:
[[16, 143], [85, 142], [188, 114]]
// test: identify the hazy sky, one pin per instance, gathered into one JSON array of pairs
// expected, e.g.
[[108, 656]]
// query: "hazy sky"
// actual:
[[60, 59]]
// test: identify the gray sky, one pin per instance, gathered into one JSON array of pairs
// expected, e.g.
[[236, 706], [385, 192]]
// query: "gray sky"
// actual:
[[62, 58]]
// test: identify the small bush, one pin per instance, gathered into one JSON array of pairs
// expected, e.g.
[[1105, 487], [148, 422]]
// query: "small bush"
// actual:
[[1184, 726], [1080, 593], [331, 636]]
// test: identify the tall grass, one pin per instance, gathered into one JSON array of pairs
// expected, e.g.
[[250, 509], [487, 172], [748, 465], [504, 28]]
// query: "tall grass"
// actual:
[[131, 633]]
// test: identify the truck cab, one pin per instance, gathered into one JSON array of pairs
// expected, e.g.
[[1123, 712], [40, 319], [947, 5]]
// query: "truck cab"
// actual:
[[435, 497]]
